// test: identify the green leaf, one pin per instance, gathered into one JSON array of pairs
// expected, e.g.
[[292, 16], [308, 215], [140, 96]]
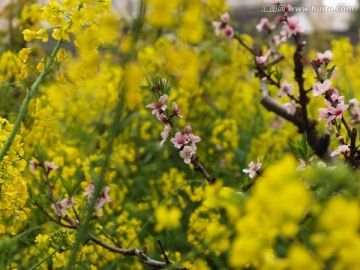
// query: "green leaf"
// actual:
[[330, 72], [66, 185], [303, 144]]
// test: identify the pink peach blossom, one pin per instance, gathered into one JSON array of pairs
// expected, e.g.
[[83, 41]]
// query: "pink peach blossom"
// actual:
[[286, 89], [158, 106], [187, 154], [253, 169], [321, 88]]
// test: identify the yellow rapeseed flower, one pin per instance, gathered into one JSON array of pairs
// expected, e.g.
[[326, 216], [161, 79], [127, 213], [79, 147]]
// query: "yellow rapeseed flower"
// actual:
[[167, 218]]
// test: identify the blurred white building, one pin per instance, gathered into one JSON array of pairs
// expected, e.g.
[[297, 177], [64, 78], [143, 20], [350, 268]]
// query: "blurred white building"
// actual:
[[320, 14], [310, 21]]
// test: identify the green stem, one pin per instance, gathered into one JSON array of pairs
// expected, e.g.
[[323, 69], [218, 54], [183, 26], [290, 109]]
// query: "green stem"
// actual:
[[44, 260], [26, 101], [99, 182]]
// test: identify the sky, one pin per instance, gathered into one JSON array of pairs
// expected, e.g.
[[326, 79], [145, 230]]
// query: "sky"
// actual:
[[341, 3]]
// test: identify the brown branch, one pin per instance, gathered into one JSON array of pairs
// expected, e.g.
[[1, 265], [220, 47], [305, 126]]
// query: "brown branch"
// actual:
[[50, 217], [262, 74], [353, 148], [300, 118], [139, 253], [51, 189], [299, 71], [274, 61], [347, 127], [315, 68], [200, 168], [245, 45], [143, 258], [272, 105], [319, 145]]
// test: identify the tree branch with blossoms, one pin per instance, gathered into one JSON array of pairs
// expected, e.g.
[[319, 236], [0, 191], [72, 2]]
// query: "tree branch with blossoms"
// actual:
[[183, 140], [335, 109], [294, 111], [61, 207]]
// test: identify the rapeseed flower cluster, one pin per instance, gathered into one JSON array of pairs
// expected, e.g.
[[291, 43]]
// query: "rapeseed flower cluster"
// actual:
[[13, 188]]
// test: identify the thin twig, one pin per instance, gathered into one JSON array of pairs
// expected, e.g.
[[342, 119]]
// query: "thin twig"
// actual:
[[274, 61], [164, 253], [245, 46], [50, 188], [200, 168], [139, 253], [50, 217]]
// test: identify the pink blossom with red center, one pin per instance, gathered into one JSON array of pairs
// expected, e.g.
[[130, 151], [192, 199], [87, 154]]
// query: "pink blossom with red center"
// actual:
[[253, 169], [341, 150], [278, 19], [338, 111], [286, 89], [321, 88], [264, 23], [159, 106], [161, 117], [104, 198], [187, 130], [225, 17], [89, 192], [229, 31], [179, 140], [49, 166], [32, 166], [260, 60], [333, 111], [291, 27], [222, 27], [324, 57], [335, 97], [62, 206], [323, 114], [67, 202], [187, 154]]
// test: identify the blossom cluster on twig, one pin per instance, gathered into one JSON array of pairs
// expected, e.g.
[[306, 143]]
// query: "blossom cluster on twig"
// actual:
[[295, 110], [183, 140]]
